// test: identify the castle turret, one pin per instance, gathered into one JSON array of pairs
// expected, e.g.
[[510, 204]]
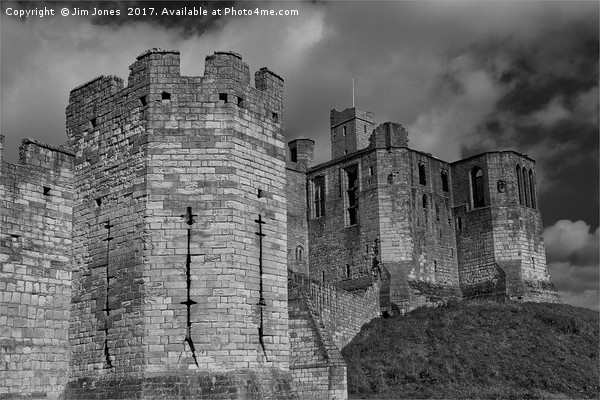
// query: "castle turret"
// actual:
[[350, 130], [302, 152]]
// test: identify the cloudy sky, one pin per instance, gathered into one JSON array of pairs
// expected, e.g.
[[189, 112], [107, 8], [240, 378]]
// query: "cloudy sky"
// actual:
[[462, 77]]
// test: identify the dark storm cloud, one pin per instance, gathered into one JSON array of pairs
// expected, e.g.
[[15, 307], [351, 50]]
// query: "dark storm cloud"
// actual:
[[549, 110], [462, 77], [187, 25]]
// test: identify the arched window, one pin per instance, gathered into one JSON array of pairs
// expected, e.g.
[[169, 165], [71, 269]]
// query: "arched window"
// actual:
[[477, 187], [526, 193], [299, 253], [520, 184], [532, 189]]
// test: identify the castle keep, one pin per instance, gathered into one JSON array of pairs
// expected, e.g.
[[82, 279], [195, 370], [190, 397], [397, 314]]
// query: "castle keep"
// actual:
[[174, 249], [439, 230]]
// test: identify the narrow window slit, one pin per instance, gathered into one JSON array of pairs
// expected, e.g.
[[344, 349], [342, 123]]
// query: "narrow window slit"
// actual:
[[107, 308], [143, 100], [261, 301], [189, 220]]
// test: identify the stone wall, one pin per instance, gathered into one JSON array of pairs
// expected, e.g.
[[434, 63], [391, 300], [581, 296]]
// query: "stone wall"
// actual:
[[324, 319], [318, 369], [339, 249], [418, 243], [35, 256]]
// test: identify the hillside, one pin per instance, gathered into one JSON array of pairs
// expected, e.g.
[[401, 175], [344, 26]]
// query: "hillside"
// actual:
[[477, 350]]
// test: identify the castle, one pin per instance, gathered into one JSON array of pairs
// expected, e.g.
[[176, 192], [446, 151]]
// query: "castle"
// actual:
[[174, 249]]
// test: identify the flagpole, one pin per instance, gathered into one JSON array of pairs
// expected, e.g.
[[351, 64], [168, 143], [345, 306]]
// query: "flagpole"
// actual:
[[353, 91]]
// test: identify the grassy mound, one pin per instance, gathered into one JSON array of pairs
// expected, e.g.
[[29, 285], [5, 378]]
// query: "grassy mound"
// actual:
[[479, 350]]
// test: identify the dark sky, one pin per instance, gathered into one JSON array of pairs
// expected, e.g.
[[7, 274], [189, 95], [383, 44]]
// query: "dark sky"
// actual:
[[462, 77]]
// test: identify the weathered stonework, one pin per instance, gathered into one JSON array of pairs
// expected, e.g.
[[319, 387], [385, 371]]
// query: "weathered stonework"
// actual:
[[172, 250], [442, 230], [36, 202]]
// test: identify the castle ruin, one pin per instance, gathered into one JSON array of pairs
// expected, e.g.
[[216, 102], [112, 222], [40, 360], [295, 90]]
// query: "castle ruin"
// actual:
[[174, 249]]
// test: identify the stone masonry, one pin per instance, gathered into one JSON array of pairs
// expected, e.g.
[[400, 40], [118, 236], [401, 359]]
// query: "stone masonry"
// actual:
[[441, 230], [172, 249]]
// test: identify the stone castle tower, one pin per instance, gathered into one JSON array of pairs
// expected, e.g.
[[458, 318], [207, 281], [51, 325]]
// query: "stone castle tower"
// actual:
[[173, 250], [180, 207]]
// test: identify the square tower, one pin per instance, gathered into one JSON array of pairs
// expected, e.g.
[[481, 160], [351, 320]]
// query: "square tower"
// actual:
[[350, 130]]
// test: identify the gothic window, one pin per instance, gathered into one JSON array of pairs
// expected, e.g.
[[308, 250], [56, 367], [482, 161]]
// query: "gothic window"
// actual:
[[526, 193], [422, 176], [444, 175], [299, 253], [318, 185], [532, 189], [352, 195], [477, 187], [520, 184]]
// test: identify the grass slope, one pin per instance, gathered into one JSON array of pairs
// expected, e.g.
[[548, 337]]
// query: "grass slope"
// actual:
[[477, 351]]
